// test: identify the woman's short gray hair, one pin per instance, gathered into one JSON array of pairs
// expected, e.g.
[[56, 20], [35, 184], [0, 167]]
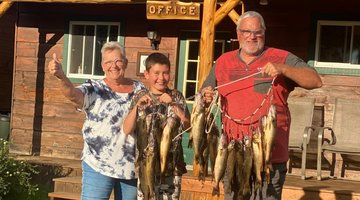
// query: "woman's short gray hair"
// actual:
[[248, 14], [112, 45]]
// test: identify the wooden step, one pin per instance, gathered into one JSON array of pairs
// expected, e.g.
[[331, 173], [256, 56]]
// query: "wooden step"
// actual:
[[71, 184], [69, 188], [64, 195], [69, 179]]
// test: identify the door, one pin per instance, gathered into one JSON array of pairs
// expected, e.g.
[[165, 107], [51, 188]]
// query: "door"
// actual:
[[188, 72]]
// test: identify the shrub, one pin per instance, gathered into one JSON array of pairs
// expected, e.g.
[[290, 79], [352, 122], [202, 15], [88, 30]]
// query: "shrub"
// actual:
[[15, 175]]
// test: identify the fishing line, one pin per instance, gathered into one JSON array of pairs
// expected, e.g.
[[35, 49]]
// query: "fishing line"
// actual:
[[256, 110], [219, 106]]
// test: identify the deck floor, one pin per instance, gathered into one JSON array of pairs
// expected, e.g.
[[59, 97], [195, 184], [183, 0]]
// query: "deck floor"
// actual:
[[294, 188]]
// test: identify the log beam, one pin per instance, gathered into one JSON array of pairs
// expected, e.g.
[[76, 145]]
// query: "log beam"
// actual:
[[73, 1], [234, 16], [224, 10], [4, 6]]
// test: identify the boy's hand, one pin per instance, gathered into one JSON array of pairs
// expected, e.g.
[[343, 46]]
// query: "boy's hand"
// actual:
[[165, 98], [144, 101]]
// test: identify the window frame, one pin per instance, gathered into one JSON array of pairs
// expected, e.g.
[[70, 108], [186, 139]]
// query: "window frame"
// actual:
[[197, 61], [334, 66], [79, 78]]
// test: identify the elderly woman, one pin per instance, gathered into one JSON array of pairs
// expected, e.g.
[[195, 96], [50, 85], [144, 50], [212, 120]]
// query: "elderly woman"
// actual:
[[108, 155]]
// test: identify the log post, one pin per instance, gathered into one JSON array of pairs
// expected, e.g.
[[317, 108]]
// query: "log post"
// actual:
[[206, 51], [211, 17]]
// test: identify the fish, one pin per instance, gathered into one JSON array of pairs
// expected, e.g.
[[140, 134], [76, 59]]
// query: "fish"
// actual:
[[248, 161], [169, 132], [211, 147], [197, 138], [269, 129], [258, 157], [230, 166], [150, 172], [239, 169], [142, 131], [148, 181], [141, 143], [220, 164]]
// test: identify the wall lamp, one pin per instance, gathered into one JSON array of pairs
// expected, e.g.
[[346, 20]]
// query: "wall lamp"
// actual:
[[154, 39], [264, 2]]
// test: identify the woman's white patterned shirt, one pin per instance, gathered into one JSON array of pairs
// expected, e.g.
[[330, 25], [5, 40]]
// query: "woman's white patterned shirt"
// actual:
[[106, 148]]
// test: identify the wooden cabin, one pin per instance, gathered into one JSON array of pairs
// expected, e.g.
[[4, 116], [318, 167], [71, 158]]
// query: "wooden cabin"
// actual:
[[325, 33]]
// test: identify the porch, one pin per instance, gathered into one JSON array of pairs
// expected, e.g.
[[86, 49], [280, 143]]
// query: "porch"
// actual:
[[67, 183]]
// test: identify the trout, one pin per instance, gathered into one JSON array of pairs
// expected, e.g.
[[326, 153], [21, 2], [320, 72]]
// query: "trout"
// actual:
[[239, 169], [248, 160], [220, 164], [150, 172], [141, 142], [147, 182], [197, 137], [258, 157], [142, 135], [170, 130], [211, 147], [230, 166], [269, 127]]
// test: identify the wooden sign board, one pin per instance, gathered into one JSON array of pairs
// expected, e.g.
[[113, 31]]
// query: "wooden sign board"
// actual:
[[172, 10]]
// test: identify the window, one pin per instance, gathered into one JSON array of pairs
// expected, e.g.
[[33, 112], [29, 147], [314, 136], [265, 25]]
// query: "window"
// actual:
[[192, 60], [84, 45], [338, 45]]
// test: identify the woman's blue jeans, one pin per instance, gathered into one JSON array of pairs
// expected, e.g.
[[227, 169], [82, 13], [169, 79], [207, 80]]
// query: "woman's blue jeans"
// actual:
[[96, 186]]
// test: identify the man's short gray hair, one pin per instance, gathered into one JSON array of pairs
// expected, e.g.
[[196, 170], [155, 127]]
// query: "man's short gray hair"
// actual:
[[112, 45], [248, 14]]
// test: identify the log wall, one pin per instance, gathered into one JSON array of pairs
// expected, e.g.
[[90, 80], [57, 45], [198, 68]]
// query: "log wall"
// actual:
[[44, 122]]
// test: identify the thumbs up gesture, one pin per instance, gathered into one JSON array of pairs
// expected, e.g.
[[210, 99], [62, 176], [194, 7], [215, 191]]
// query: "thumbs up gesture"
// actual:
[[55, 67]]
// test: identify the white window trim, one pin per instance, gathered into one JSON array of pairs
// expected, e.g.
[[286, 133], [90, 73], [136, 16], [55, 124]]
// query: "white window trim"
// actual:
[[86, 76], [332, 64], [223, 41], [186, 67]]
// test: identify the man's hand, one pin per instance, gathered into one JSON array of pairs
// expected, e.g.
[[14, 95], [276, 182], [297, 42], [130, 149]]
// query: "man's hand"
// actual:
[[273, 69], [208, 95], [55, 67]]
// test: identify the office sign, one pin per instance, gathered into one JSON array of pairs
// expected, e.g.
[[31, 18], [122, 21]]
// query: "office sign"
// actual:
[[172, 10]]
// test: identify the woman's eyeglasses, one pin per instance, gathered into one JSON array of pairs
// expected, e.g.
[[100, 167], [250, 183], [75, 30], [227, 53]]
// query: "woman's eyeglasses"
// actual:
[[117, 62]]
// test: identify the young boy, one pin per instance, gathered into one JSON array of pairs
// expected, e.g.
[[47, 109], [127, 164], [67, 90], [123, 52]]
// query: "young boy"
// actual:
[[157, 115]]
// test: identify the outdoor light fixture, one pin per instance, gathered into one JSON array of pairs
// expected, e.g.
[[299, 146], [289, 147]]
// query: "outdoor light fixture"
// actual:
[[264, 2], [154, 39]]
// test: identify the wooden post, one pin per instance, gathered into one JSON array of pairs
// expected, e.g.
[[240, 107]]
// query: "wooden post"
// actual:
[[206, 50], [209, 20], [4, 6], [207, 40]]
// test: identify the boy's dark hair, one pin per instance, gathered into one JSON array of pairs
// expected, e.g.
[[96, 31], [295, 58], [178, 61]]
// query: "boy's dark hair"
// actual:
[[155, 58]]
